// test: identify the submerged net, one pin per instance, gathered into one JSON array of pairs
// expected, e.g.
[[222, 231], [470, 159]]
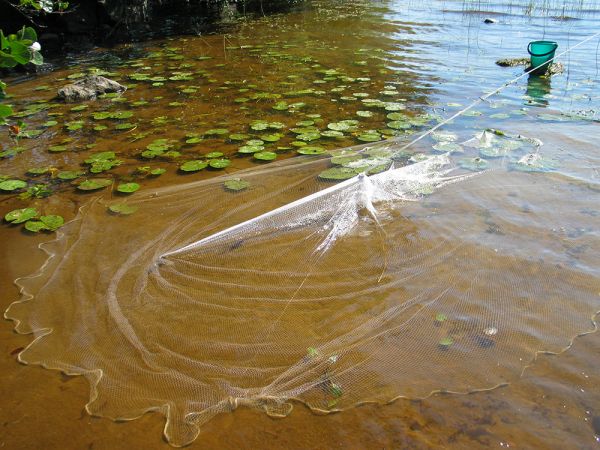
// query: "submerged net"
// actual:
[[421, 275]]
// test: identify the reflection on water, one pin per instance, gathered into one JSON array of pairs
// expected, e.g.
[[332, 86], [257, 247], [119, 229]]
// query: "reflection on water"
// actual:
[[538, 88], [396, 68]]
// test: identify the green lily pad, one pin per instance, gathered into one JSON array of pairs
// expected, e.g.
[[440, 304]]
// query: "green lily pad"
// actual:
[[236, 184], [35, 226], [337, 173], [157, 172], [69, 175], [193, 166], [219, 163], [364, 113], [369, 137], [125, 126], [311, 150], [212, 155], [332, 134], [38, 170], [247, 149], [57, 148], [446, 342], [474, 164], [448, 147], [122, 208], [216, 132], [21, 215], [12, 185], [94, 184], [238, 137], [265, 156], [440, 317], [52, 222], [345, 159], [274, 137], [533, 162], [307, 137], [128, 188], [194, 140]]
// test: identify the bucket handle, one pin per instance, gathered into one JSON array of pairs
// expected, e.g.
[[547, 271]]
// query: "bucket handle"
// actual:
[[543, 54]]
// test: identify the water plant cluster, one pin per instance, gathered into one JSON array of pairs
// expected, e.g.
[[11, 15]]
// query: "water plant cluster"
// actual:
[[191, 108]]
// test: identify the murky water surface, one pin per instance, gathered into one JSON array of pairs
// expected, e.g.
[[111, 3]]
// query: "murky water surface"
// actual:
[[330, 75]]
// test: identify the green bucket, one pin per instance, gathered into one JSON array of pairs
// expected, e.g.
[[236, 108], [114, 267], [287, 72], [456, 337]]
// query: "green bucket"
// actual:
[[541, 53]]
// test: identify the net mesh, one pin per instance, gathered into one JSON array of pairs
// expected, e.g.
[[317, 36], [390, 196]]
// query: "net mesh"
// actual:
[[417, 279]]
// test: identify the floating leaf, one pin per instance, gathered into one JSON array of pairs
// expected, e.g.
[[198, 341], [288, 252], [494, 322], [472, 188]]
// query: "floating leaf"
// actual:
[[265, 156], [128, 188], [95, 184], [69, 175], [473, 164], [38, 170], [193, 165], [52, 222], [236, 184], [122, 208], [448, 147], [446, 342], [440, 317], [238, 137], [35, 226], [250, 149], [157, 172], [219, 163], [21, 215], [58, 148], [311, 150], [369, 137], [338, 173], [12, 185]]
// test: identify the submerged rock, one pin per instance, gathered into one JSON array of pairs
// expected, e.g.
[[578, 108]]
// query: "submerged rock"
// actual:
[[89, 88], [490, 20], [512, 62], [554, 69]]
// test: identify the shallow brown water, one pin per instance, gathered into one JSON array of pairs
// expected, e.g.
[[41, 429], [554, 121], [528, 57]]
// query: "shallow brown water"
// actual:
[[553, 405]]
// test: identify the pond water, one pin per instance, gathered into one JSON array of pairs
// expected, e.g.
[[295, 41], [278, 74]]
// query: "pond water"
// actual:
[[327, 76]]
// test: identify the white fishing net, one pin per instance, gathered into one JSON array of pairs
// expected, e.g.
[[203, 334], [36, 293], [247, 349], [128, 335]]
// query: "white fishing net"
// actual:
[[421, 278]]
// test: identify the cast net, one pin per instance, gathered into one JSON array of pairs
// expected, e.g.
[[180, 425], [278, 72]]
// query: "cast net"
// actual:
[[427, 272]]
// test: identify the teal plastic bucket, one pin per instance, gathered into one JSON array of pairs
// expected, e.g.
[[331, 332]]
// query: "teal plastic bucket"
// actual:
[[541, 53]]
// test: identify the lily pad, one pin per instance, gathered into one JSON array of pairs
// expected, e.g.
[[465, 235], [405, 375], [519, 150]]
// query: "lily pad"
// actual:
[[52, 222], [311, 150], [69, 175], [21, 215], [94, 184], [212, 155], [128, 188], [12, 185], [220, 163], [246, 149], [448, 147], [122, 208], [446, 342], [236, 184], [337, 173], [35, 226], [193, 165], [474, 164], [57, 148], [38, 170], [265, 156]]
